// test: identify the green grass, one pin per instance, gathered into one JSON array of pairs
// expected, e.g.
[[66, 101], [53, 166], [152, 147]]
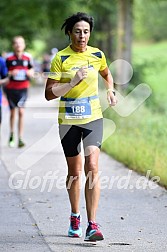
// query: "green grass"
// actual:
[[155, 57], [140, 139]]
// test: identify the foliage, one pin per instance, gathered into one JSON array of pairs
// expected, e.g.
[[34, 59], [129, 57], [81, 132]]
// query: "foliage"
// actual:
[[23, 18], [32, 18], [37, 19], [150, 67], [150, 20]]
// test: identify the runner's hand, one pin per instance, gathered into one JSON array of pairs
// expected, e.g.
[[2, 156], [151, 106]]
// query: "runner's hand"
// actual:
[[112, 99], [15, 72], [80, 75]]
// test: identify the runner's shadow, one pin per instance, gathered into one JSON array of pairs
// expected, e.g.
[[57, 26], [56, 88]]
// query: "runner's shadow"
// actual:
[[73, 242]]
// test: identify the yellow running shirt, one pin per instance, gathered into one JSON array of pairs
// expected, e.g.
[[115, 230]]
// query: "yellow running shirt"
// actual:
[[73, 109]]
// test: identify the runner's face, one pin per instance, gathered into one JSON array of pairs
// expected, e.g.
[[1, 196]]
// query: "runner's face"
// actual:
[[80, 36], [19, 45]]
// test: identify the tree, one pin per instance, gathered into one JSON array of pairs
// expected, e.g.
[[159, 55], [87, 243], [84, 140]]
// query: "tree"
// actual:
[[104, 13], [31, 18], [124, 39], [24, 18]]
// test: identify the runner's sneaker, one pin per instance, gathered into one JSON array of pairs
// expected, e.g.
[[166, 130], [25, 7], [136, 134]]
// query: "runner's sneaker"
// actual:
[[11, 141], [93, 232], [75, 230], [21, 143]]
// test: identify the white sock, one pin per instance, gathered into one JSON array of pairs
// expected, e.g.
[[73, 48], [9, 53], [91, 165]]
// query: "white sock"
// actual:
[[75, 214]]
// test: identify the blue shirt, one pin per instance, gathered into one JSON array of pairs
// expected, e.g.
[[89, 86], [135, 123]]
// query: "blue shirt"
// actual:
[[3, 74]]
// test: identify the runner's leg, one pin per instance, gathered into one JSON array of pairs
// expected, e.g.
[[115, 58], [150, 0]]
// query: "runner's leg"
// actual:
[[73, 181], [71, 138], [20, 122], [92, 188], [92, 139], [12, 119]]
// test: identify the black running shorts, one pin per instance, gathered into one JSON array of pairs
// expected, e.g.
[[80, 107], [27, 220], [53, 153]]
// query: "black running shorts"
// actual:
[[71, 136], [16, 97]]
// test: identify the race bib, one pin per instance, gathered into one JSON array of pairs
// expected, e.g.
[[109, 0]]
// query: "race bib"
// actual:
[[78, 109], [20, 76]]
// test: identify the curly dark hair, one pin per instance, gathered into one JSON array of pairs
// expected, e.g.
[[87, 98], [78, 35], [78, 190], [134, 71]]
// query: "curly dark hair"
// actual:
[[72, 20]]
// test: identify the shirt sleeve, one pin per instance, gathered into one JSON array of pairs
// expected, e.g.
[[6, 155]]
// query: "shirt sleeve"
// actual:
[[103, 62], [56, 68], [3, 69]]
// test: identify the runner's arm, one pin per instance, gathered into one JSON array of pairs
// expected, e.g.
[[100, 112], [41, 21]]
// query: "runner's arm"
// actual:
[[4, 81], [55, 89], [108, 82]]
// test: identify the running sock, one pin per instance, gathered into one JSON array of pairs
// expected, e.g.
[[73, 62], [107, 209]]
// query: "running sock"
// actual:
[[75, 214]]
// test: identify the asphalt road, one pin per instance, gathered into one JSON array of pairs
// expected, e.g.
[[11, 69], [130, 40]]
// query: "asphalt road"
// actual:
[[34, 210]]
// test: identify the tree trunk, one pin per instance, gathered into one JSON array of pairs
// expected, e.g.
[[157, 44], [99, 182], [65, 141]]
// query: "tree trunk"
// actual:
[[110, 42], [124, 43]]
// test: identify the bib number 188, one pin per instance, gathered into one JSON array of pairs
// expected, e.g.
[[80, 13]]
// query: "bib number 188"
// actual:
[[78, 109]]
